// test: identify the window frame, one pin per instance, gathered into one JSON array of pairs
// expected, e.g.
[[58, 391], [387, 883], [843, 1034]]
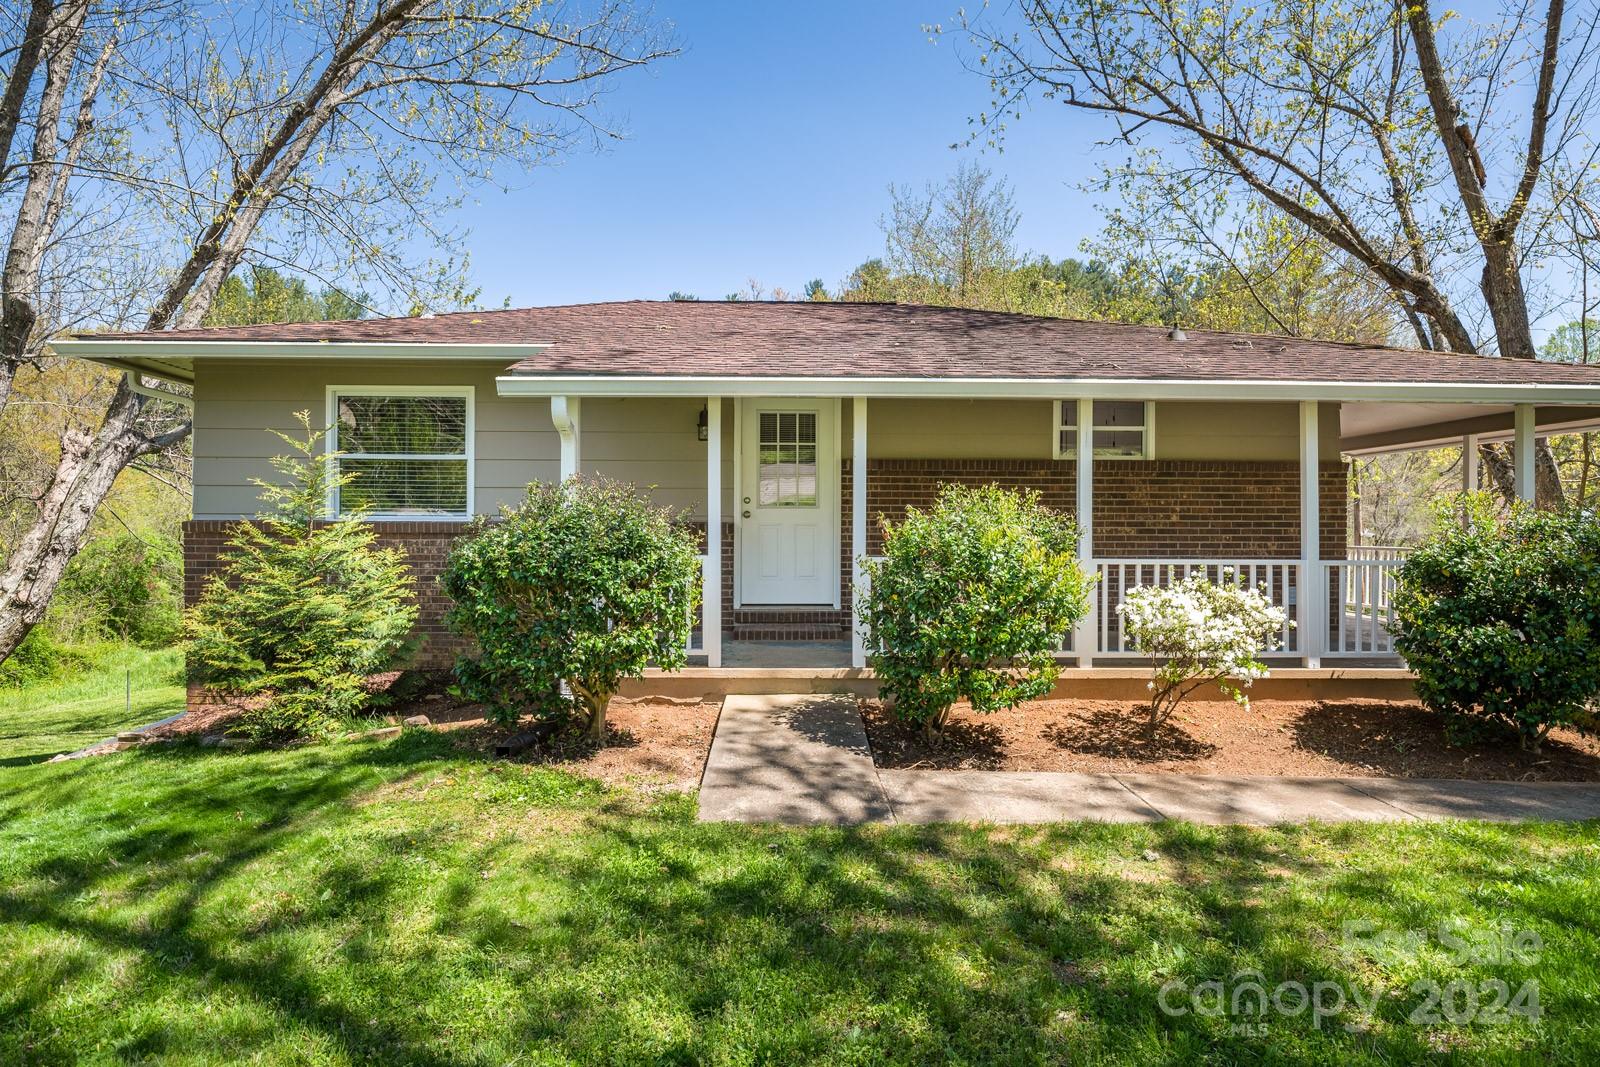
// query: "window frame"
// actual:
[[468, 392], [1147, 448]]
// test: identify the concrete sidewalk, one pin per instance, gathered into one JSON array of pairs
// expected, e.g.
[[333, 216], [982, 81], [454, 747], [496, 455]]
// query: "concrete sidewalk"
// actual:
[[805, 760], [801, 760]]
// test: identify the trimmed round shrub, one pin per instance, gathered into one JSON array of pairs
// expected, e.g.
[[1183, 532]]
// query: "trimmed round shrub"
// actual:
[[1500, 620], [581, 586], [972, 601], [301, 611]]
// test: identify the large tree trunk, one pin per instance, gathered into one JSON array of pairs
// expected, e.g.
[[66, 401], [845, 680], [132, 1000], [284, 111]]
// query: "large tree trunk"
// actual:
[[89, 464]]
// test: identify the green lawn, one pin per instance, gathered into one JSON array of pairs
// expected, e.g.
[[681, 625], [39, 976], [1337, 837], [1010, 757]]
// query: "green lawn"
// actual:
[[402, 903], [40, 721]]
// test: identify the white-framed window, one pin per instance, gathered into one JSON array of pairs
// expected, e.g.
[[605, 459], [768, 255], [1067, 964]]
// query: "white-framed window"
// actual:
[[1123, 429], [410, 448]]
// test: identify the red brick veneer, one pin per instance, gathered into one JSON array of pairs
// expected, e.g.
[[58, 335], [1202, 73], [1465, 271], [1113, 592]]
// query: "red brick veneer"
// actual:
[[1164, 509], [1159, 509], [426, 544]]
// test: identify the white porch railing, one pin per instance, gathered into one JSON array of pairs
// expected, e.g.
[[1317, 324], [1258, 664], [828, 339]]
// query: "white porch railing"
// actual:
[[1378, 551], [1359, 614], [1277, 578], [1361, 608]]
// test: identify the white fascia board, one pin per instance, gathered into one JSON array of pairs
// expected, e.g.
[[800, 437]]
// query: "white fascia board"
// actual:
[[1053, 388], [1486, 437], [108, 350]]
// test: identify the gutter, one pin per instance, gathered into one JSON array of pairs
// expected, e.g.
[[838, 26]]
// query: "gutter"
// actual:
[[1053, 388]]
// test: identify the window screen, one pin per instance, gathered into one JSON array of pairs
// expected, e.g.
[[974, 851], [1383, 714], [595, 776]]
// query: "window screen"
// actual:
[[408, 454]]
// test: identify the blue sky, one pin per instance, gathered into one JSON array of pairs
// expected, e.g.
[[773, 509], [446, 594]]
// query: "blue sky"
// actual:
[[765, 151]]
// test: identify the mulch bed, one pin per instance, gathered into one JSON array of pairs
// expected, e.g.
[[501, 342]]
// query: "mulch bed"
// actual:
[[657, 744], [1272, 737]]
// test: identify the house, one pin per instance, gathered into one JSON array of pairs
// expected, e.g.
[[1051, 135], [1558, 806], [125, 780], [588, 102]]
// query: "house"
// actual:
[[783, 430]]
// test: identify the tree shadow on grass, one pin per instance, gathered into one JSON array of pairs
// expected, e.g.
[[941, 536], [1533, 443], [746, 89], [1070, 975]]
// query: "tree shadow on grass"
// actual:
[[632, 932]]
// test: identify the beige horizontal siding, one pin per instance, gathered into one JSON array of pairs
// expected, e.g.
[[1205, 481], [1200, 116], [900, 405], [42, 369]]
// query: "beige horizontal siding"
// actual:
[[652, 443], [1021, 429]]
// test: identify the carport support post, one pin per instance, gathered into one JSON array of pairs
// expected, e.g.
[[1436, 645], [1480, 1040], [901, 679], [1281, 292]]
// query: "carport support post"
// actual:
[[1311, 604], [565, 412], [1469, 463], [1522, 451], [858, 525], [711, 573], [1084, 637]]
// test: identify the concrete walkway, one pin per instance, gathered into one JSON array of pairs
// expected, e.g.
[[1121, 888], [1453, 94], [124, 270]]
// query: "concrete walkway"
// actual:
[[791, 759], [804, 760]]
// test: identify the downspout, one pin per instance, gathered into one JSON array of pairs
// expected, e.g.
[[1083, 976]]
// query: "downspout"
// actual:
[[133, 378]]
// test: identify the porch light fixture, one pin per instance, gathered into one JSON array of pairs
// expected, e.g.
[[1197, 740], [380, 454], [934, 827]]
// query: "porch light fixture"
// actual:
[[701, 430]]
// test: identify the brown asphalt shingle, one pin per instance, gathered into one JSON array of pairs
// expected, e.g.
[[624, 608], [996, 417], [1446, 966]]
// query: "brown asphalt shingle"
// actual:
[[759, 339]]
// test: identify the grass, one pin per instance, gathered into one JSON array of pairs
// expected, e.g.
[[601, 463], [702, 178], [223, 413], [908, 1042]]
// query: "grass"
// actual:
[[38, 722], [404, 902]]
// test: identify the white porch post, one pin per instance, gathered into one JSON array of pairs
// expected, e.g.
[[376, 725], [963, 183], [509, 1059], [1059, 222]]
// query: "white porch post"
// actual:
[[858, 524], [1086, 637], [1522, 451], [1312, 604], [565, 412], [1469, 463], [711, 597]]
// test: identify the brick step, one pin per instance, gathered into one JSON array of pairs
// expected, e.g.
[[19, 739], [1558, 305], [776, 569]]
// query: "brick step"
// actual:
[[790, 616], [790, 632]]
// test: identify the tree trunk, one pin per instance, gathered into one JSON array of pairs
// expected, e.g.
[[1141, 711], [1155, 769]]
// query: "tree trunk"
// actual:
[[84, 473]]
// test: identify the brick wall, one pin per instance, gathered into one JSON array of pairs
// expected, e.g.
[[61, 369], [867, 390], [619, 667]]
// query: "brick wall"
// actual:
[[1145, 508], [426, 544], [1160, 508]]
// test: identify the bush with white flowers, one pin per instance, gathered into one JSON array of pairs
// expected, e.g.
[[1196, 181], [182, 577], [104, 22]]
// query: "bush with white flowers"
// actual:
[[1198, 632]]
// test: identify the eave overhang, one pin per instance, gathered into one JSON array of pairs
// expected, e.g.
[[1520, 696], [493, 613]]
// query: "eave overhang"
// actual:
[[1054, 388]]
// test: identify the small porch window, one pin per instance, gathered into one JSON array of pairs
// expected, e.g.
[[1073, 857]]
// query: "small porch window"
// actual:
[[410, 449], [1123, 429]]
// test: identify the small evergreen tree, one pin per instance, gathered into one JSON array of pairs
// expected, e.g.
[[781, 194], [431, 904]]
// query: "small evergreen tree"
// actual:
[[302, 610], [580, 586]]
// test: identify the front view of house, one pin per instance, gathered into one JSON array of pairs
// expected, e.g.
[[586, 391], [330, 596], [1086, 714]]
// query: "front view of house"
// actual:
[[784, 431]]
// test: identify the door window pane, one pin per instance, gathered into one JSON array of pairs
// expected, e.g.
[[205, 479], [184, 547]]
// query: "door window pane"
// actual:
[[786, 476]]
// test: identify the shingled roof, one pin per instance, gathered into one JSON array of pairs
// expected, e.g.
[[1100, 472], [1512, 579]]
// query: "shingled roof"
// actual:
[[845, 340]]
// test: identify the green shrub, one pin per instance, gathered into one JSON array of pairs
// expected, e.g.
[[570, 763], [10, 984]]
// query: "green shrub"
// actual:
[[301, 611], [39, 659], [1500, 620], [580, 586], [972, 600], [122, 587]]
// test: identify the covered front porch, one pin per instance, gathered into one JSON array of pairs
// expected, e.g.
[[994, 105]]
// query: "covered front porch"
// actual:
[[795, 483]]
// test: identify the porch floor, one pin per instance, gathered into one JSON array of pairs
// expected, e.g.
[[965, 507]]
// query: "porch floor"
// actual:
[[781, 654]]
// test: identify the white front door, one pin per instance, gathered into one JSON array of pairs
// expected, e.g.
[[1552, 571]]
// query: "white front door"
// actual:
[[788, 537]]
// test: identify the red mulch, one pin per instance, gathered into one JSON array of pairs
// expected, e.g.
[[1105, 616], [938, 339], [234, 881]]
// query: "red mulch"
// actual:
[[1271, 737], [657, 743]]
